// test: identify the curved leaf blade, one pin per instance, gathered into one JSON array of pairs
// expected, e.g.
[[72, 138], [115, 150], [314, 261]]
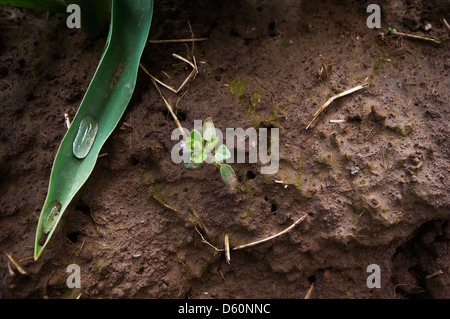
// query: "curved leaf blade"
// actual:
[[105, 100]]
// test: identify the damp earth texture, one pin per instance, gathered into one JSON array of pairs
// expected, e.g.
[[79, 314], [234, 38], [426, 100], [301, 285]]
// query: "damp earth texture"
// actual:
[[374, 187]]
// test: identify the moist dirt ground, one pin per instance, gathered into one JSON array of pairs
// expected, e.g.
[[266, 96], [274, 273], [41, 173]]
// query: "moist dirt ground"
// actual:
[[374, 188]]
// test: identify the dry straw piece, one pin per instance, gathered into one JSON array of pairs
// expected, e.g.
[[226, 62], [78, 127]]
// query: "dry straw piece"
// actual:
[[273, 236], [227, 249], [16, 264], [334, 97]]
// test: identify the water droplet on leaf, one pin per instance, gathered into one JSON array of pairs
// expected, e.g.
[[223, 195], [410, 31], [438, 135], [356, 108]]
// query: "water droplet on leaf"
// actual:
[[51, 216], [85, 137]]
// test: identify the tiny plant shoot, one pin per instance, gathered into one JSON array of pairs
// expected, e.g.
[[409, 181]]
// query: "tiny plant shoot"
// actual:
[[200, 146]]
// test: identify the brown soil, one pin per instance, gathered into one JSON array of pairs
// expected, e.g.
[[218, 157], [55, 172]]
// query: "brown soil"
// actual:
[[294, 55]]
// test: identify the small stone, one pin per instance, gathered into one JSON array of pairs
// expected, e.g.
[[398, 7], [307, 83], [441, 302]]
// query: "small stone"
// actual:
[[427, 26], [379, 113], [354, 170]]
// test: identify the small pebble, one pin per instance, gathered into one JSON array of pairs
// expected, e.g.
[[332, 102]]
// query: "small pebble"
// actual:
[[379, 113], [354, 170], [427, 26]]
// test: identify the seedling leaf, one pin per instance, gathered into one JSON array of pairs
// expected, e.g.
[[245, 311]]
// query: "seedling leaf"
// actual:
[[209, 131], [210, 145], [228, 175], [199, 158], [196, 136], [193, 146], [222, 154]]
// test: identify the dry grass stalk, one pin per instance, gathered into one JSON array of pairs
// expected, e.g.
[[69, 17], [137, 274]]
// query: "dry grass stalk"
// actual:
[[10, 270], [177, 40], [200, 223], [273, 236], [436, 273], [325, 105], [191, 75], [308, 294], [446, 25], [16, 264], [165, 205], [419, 37], [227, 249], [216, 250], [169, 107], [67, 119]]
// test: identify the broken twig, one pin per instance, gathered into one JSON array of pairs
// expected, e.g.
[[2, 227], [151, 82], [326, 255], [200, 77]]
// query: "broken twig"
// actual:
[[191, 75], [418, 37], [446, 25], [16, 264], [66, 117], [273, 236], [436, 273], [227, 249], [208, 243], [199, 222], [165, 205], [325, 105], [169, 107], [308, 294], [177, 40]]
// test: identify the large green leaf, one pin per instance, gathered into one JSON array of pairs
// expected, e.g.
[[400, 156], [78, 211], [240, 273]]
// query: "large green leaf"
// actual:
[[105, 101]]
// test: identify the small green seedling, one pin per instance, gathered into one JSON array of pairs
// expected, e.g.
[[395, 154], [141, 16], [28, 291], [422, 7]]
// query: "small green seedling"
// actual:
[[392, 30], [200, 147]]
